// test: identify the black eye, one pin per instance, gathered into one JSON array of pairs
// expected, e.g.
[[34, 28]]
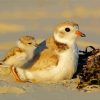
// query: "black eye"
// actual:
[[67, 29], [29, 43]]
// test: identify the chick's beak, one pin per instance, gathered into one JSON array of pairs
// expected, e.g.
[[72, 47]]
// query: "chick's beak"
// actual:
[[36, 45], [80, 33]]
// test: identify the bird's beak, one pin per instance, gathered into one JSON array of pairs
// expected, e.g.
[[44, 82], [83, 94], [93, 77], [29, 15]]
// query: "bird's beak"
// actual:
[[80, 33], [36, 45]]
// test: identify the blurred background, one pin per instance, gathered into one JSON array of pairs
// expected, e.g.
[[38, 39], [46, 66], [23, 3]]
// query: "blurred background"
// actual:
[[39, 18]]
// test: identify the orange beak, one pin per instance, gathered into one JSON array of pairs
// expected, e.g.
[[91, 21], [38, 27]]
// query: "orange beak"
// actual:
[[80, 34]]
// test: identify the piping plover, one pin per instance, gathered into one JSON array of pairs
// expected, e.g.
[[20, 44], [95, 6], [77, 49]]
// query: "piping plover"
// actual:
[[58, 61], [21, 54]]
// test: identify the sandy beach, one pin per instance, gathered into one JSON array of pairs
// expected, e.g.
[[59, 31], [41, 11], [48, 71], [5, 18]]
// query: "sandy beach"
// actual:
[[9, 90]]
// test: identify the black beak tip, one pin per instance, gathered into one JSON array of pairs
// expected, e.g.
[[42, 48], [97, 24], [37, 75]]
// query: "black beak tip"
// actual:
[[36, 45], [83, 35]]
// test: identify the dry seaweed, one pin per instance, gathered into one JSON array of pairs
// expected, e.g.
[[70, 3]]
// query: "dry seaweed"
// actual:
[[89, 67]]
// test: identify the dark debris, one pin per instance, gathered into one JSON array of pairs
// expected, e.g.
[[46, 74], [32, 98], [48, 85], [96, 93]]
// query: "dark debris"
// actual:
[[89, 67]]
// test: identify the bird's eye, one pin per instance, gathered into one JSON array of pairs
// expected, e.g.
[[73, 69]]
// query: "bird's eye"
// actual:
[[67, 29], [29, 43]]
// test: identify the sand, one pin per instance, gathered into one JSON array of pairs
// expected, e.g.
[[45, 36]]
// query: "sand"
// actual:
[[12, 90]]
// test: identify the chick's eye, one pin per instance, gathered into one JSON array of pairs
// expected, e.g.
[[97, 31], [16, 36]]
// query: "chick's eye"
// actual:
[[29, 43], [67, 29]]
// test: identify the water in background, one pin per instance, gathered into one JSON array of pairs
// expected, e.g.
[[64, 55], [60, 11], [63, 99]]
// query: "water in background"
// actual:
[[39, 17]]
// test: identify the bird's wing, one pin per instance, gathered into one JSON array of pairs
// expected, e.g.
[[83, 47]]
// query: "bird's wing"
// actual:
[[14, 51], [21, 56], [50, 43], [46, 59]]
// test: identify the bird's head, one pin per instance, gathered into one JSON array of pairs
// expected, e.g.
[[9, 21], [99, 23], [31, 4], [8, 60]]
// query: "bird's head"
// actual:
[[27, 42], [67, 33]]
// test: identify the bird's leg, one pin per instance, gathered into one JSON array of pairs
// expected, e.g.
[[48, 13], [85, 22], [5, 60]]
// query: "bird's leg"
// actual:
[[15, 75]]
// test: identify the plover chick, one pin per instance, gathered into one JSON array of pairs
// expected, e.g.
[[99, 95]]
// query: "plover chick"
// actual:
[[21, 54]]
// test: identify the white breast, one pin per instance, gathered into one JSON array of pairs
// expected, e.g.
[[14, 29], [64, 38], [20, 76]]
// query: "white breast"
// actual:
[[67, 63], [30, 53]]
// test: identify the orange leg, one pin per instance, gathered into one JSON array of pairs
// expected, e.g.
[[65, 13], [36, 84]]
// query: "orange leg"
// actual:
[[15, 75]]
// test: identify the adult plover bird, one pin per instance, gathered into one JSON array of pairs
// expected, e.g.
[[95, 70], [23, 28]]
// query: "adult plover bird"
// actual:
[[21, 54], [58, 61]]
